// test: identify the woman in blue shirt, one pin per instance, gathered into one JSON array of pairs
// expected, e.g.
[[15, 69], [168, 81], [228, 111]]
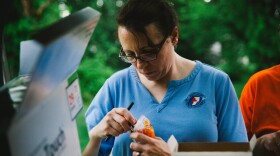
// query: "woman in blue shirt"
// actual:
[[193, 101]]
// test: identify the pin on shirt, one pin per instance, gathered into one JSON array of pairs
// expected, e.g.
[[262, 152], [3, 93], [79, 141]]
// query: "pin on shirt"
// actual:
[[195, 99]]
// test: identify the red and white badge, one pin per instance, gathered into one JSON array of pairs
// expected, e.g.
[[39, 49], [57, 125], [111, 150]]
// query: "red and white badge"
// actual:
[[195, 99]]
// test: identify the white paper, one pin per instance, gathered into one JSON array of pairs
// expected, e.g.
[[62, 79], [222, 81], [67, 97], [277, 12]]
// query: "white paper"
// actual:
[[30, 51]]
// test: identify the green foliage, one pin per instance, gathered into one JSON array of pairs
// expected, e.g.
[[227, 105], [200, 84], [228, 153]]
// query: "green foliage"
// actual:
[[23, 28], [15, 33], [247, 32], [92, 74]]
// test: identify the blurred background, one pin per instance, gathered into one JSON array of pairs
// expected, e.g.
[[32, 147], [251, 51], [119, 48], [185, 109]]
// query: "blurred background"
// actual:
[[239, 37]]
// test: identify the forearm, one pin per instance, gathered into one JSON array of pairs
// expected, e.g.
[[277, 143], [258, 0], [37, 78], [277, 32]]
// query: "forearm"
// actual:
[[92, 147]]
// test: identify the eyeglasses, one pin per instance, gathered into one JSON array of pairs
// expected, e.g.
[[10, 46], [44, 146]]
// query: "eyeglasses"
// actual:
[[147, 53]]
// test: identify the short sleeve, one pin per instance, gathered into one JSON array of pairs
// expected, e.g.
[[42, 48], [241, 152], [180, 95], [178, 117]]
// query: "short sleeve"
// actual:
[[246, 104], [231, 125]]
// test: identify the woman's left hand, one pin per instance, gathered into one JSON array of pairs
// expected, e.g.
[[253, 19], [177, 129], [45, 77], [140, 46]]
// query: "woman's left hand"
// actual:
[[147, 146]]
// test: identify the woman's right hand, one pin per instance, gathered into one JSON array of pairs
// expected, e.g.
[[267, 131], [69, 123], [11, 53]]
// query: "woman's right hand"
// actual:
[[116, 122]]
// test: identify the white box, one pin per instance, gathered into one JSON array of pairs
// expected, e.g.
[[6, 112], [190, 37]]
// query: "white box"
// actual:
[[49, 129]]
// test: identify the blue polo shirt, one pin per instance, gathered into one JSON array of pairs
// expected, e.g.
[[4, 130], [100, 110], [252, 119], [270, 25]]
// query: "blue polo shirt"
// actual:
[[202, 107]]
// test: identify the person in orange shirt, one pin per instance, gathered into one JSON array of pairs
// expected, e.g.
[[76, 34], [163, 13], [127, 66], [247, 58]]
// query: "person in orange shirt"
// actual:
[[260, 105]]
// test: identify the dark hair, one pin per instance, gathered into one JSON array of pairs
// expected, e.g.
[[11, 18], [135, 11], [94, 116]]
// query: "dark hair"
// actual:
[[136, 14]]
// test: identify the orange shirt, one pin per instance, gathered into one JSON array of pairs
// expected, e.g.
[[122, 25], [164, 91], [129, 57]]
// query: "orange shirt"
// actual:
[[260, 102]]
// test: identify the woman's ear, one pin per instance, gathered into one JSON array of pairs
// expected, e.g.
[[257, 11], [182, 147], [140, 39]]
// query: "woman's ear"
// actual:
[[175, 36]]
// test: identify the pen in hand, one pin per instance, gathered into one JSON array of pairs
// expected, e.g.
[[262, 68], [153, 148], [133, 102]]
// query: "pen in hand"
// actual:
[[128, 108]]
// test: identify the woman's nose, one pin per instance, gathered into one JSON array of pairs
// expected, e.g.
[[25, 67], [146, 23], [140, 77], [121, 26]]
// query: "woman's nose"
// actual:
[[140, 63]]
